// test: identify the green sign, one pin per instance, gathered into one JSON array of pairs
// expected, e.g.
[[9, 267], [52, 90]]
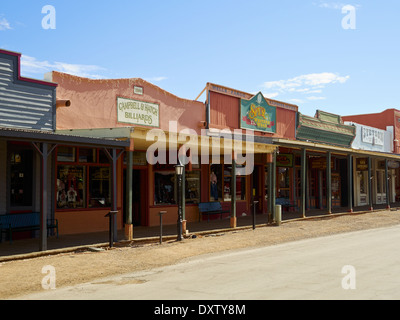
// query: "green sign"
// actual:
[[257, 114]]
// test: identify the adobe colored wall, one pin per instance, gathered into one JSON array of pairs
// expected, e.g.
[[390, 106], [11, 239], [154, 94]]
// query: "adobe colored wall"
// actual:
[[94, 103]]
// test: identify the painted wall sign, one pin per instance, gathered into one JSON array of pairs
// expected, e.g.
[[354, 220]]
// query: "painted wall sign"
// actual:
[[138, 112], [138, 90], [257, 114], [372, 136]]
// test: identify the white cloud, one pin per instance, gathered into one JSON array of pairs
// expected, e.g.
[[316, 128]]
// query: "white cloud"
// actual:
[[30, 65], [334, 5], [4, 24], [313, 98], [271, 95], [308, 85], [156, 79]]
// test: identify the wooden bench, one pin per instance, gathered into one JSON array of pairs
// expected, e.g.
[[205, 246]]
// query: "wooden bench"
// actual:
[[285, 203], [10, 223], [211, 208]]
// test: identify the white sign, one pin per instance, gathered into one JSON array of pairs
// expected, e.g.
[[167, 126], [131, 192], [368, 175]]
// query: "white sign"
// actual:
[[138, 112], [372, 136]]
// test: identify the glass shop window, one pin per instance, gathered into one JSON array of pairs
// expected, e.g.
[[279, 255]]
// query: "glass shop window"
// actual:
[[99, 187], [164, 185], [66, 154], [71, 187], [192, 187]]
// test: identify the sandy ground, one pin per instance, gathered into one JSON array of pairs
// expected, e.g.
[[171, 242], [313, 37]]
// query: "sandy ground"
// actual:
[[25, 276]]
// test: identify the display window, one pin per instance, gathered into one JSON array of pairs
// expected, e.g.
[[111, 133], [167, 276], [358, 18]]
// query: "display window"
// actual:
[[83, 178], [221, 183], [165, 187]]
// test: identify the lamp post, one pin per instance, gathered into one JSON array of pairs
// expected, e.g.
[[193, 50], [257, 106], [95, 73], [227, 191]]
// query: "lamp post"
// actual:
[[179, 172]]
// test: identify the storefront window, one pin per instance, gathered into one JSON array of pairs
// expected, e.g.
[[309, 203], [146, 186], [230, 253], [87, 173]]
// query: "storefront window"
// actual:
[[70, 187], [192, 187], [215, 182], [99, 187], [283, 183], [83, 181], [87, 155], [21, 173], [216, 187], [66, 154], [164, 184]]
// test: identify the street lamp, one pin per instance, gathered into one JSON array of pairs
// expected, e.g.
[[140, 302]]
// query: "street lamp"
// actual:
[[179, 173]]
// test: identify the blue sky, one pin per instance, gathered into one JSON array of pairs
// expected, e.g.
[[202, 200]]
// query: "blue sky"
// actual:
[[292, 50]]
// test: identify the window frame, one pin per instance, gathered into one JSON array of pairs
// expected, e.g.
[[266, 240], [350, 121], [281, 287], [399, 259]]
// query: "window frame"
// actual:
[[86, 166]]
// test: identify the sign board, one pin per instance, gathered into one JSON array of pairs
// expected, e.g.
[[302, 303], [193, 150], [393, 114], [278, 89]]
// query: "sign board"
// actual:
[[372, 136], [138, 90], [284, 160], [256, 114], [138, 112]]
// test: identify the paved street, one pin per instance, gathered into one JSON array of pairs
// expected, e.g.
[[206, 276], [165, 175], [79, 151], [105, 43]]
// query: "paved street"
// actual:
[[307, 269]]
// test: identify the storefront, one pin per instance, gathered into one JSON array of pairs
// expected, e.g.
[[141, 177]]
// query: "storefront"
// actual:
[[41, 171], [264, 119], [383, 184], [157, 124]]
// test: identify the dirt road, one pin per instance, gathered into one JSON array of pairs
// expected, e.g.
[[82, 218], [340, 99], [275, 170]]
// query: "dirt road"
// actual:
[[25, 276]]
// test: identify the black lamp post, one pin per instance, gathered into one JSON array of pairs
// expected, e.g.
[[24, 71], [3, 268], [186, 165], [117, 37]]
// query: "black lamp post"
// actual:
[[179, 172]]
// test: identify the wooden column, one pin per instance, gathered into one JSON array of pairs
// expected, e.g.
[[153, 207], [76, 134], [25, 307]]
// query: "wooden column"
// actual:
[[350, 181], [129, 201], [233, 193], [303, 181], [387, 184], [273, 186], [329, 182], [370, 183]]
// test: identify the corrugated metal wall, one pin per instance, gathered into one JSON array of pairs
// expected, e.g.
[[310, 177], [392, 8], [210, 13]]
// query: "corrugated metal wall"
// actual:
[[24, 106]]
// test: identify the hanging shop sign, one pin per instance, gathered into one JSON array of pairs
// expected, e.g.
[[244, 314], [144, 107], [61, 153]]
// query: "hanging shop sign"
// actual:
[[284, 160], [362, 164], [256, 114], [138, 112]]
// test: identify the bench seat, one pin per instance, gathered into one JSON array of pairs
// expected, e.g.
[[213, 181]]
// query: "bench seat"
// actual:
[[10, 223], [211, 208]]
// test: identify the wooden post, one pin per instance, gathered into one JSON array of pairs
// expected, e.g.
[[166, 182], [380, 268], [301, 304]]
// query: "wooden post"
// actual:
[[350, 181], [370, 184], [233, 194], [303, 181], [387, 184], [273, 186], [329, 182], [129, 201], [43, 217]]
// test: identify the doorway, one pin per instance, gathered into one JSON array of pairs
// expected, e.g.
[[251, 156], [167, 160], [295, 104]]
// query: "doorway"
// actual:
[[139, 197]]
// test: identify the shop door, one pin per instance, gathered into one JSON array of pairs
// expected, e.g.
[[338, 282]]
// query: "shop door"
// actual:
[[380, 187], [362, 187], [139, 198]]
